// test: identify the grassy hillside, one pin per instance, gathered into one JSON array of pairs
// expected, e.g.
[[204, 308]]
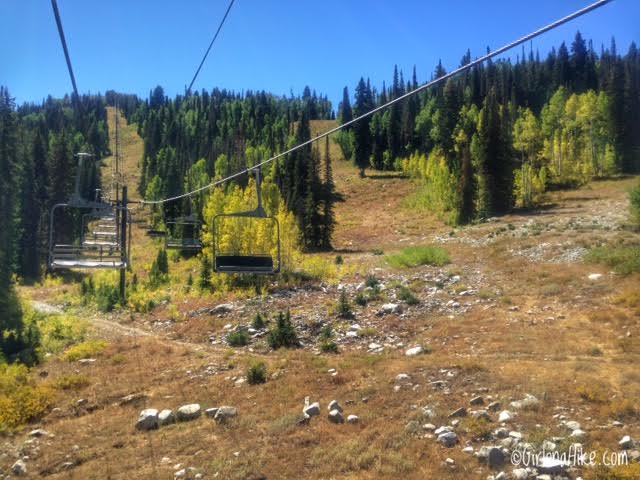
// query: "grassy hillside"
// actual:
[[517, 311]]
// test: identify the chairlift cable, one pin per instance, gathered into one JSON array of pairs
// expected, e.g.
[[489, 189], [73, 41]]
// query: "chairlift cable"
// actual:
[[210, 45], [468, 66], [56, 13]]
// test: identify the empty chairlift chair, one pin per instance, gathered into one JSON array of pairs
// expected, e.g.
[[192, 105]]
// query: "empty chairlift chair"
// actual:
[[243, 262], [183, 233], [76, 243]]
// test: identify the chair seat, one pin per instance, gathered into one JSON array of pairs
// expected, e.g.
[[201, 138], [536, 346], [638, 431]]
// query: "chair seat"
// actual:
[[262, 264]]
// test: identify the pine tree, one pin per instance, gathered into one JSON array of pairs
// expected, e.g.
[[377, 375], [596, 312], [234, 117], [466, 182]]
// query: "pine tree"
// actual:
[[361, 130], [346, 115], [328, 216]]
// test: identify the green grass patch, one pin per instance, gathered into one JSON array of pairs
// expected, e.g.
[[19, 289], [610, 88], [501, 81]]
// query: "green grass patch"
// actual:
[[624, 260], [416, 256]]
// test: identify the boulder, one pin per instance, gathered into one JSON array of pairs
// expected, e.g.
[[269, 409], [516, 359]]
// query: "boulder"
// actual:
[[148, 419], [334, 405], [505, 416], [225, 413], [475, 401], [491, 455], [460, 412], [389, 308], [19, 468], [448, 439], [188, 412], [312, 410], [572, 425], [39, 433], [551, 465], [626, 442], [403, 378], [335, 416], [412, 352], [211, 412], [529, 401], [594, 276], [221, 309], [166, 416], [353, 419]]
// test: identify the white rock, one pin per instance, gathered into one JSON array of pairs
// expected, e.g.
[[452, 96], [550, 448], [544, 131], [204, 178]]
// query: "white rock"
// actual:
[[595, 276], [335, 416], [211, 412], [412, 352], [353, 419], [626, 442], [505, 416], [225, 413], [572, 425], [527, 402], [188, 412], [19, 468], [312, 410], [552, 465], [334, 405], [443, 429], [578, 434], [148, 419], [389, 308], [165, 417], [221, 309], [467, 449], [38, 433], [520, 474], [403, 378]]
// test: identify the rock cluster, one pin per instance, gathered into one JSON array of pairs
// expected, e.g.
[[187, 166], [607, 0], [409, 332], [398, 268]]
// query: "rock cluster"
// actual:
[[151, 419]]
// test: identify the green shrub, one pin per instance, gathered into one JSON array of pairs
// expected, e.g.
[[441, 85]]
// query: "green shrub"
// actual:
[[239, 338], [88, 349], [343, 308], [107, 297], [258, 322], [257, 373], [326, 333], [416, 256], [361, 299], [371, 281], [407, 296], [159, 272], [339, 260], [329, 346], [283, 334], [204, 281], [624, 260], [634, 201]]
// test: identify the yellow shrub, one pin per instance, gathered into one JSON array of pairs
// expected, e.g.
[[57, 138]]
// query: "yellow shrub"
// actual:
[[20, 400], [89, 349]]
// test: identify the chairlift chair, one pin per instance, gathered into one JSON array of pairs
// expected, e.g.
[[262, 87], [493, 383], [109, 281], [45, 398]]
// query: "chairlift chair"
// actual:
[[82, 253], [251, 263], [187, 237]]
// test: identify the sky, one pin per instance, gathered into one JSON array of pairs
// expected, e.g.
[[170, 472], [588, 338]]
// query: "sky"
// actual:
[[275, 45]]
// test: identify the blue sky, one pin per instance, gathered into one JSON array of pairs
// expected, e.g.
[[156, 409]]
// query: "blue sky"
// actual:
[[276, 45]]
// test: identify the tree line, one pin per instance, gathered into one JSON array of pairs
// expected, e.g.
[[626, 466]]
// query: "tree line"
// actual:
[[502, 133], [191, 140], [37, 170]]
